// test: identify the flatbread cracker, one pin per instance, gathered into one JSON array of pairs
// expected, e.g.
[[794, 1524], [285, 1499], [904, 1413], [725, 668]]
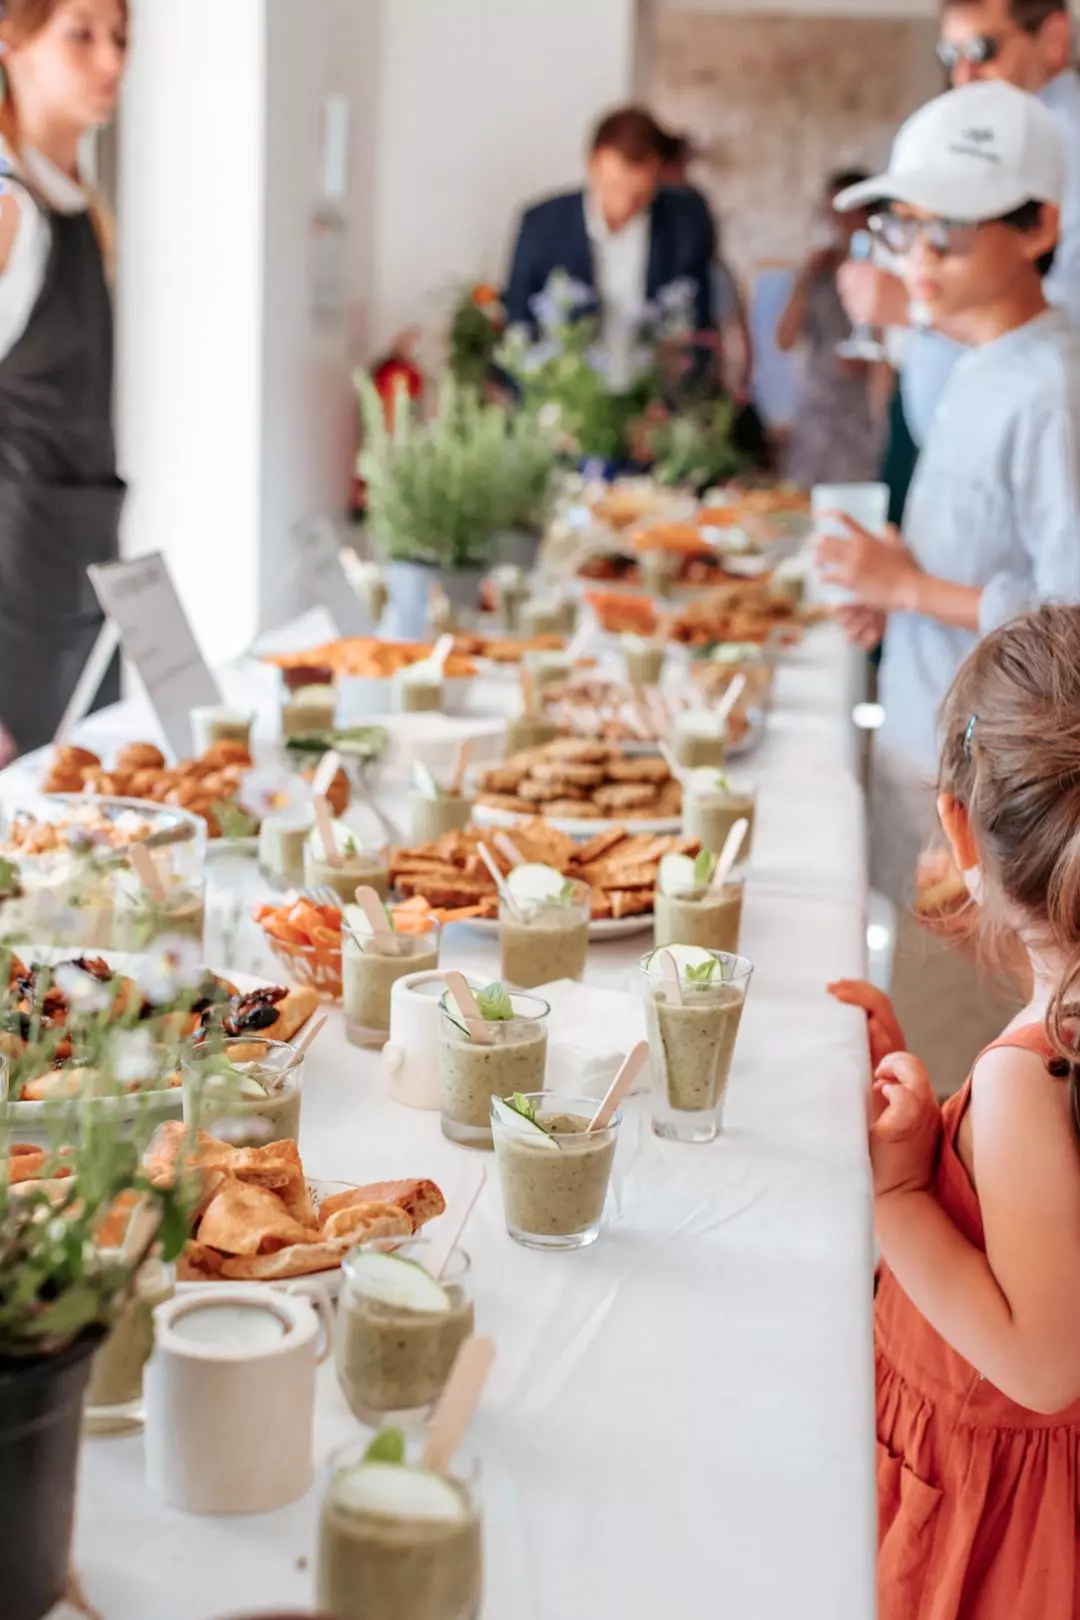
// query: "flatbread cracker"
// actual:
[[362, 1222], [299, 1260], [422, 1201], [247, 1219]]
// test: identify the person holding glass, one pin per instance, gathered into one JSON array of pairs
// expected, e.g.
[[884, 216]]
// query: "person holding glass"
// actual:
[[970, 207], [837, 432]]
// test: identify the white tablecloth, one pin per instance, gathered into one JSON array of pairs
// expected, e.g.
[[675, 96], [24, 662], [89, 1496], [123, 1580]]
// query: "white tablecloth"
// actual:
[[680, 1419]]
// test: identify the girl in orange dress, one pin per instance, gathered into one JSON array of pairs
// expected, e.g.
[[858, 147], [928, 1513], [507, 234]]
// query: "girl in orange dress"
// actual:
[[977, 1203]]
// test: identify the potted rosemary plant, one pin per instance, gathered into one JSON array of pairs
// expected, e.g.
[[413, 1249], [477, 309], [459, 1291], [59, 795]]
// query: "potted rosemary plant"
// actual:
[[440, 492]]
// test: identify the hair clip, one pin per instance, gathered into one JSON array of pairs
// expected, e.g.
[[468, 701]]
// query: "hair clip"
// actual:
[[969, 735]]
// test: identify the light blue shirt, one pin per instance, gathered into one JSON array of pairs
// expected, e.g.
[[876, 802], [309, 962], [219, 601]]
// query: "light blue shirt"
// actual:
[[930, 357], [995, 503]]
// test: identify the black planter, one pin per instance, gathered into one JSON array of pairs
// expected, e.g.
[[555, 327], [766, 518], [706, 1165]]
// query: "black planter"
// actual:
[[40, 1421]]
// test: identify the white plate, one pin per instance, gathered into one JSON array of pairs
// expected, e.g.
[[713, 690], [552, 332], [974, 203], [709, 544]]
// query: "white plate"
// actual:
[[489, 816], [601, 928]]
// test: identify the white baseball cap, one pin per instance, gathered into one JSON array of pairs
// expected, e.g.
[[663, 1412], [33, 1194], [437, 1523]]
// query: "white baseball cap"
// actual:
[[972, 154]]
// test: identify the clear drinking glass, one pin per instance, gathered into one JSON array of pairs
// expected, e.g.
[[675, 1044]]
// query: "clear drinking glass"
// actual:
[[692, 1031], [867, 504], [377, 1560], [554, 1196], [711, 918], [544, 941], [392, 1358], [370, 967], [471, 1072], [114, 1403], [711, 810], [865, 341], [245, 1090]]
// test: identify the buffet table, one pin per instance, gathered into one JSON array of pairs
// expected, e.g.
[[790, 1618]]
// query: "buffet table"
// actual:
[[680, 1419]]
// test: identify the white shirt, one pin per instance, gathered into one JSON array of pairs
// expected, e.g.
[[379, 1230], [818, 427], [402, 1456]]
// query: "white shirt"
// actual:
[[621, 268], [995, 503], [23, 277]]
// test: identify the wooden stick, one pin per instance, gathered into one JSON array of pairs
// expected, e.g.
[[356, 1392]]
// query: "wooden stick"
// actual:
[[381, 928], [441, 652], [672, 763], [303, 1046], [729, 700], [324, 820], [506, 846], [323, 779], [733, 844], [528, 692], [145, 869], [469, 1008], [500, 882], [457, 1403], [462, 755], [631, 1067], [444, 1245]]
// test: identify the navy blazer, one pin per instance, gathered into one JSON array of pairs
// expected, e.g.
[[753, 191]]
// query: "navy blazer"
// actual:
[[552, 236]]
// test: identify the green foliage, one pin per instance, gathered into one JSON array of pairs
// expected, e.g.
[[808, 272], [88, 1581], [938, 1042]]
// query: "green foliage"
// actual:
[[693, 446], [524, 1106], [441, 491], [474, 338], [561, 382], [495, 1004]]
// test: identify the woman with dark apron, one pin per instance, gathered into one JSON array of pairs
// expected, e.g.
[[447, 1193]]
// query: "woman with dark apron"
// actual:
[[62, 63]]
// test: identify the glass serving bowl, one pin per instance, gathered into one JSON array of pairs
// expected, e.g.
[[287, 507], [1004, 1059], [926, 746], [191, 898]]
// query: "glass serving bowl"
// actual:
[[314, 967], [76, 889]]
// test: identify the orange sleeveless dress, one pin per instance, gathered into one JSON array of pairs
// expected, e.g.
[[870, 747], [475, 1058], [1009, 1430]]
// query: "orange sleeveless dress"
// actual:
[[978, 1498]]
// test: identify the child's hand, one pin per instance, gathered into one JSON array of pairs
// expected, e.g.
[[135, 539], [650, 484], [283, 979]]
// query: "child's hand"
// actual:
[[905, 1126], [882, 1028]]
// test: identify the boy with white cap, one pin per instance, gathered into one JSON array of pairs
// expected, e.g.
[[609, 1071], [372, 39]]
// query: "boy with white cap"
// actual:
[[970, 206]]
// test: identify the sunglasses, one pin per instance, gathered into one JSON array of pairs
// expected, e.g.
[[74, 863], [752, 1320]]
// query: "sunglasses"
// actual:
[[942, 236], [977, 51]]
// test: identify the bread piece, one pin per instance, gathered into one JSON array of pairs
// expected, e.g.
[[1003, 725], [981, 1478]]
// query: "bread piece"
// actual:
[[623, 797], [568, 771], [574, 810], [422, 1201], [643, 769], [140, 757], [542, 792]]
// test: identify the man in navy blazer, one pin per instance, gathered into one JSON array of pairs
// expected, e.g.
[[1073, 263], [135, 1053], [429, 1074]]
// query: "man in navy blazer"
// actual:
[[624, 236]]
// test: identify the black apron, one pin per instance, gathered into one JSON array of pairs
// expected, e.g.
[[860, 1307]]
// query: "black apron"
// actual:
[[60, 498]]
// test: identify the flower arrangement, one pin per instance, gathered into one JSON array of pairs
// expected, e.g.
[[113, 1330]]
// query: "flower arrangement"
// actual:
[[594, 388], [476, 325]]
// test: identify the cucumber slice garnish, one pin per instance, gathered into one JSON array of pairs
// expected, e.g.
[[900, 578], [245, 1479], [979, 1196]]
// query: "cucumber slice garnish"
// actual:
[[515, 1121], [344, 837], [392, 1280], [425, 782], [244, 1087], [399, 1492], [678, 874], [684, 957], [708, 780], [533, 884]]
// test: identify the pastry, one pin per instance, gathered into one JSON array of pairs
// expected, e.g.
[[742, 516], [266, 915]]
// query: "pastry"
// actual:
[[140, 757]]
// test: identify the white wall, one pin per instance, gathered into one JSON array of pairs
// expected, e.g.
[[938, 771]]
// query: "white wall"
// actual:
[[236, 409], [484, 104], [189, 307]]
